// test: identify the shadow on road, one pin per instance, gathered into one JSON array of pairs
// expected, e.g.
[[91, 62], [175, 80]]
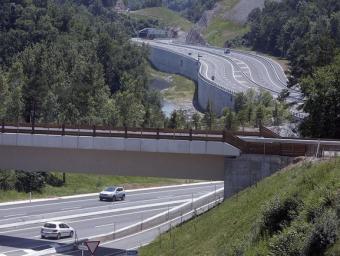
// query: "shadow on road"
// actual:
[[17, 244], [20, 243]]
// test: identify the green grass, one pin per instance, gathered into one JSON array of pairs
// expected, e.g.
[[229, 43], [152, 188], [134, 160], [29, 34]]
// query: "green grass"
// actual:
[[166, 16], [89, 183], [221, 29], [231, 226], [181, 89]]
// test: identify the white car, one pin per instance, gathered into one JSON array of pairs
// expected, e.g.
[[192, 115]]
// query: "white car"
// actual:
[[112, 194], [56, 230]]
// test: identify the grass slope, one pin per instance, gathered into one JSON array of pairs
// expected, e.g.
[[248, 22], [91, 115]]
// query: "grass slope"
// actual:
[[166, 16], [232, 228], [221, 29], [88, 183], [181, 89]]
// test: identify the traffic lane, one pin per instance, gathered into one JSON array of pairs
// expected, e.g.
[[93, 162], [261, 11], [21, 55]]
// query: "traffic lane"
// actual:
[[85, 199], [23, 212], [104, 205], [15, 240], [111, 208], [227, 75], [262, 71]]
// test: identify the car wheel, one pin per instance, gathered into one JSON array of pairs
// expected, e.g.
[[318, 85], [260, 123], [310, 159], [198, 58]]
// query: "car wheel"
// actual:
[[114, 198], [58, 236], [123, 197], [100, 199], [71, 234], [42, 237]]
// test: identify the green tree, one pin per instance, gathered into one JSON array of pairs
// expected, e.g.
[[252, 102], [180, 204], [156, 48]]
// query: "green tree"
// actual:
[[3, 95], [196, 121], [209, 118]]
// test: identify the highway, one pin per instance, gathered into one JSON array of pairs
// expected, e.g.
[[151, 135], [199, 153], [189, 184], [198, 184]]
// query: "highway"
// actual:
[[237, 71], [20, 223]]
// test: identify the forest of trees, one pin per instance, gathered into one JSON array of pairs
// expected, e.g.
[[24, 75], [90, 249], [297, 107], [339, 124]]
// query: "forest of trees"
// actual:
[[252, 109], [67, 62], [307, 33]]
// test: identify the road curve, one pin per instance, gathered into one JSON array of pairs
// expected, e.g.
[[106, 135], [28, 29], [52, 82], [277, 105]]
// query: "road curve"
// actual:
[[235, 72]]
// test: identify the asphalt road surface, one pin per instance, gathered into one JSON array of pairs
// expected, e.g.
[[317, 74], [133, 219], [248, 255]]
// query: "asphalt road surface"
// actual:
[[20, 223]]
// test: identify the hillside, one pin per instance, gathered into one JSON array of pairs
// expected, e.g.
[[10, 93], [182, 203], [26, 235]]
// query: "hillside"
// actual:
[[294, 212], [165, 16], [227, 20]]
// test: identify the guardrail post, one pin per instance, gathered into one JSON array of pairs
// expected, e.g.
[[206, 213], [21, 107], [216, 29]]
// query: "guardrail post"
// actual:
[[157, 134], [126, 130], [3, 126], [33, 127], [63, 130], [224, 136], [190, 134], [94, 131]]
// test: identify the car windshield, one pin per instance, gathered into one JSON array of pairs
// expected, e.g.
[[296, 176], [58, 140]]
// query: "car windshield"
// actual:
[[111, 189], [50, 225]]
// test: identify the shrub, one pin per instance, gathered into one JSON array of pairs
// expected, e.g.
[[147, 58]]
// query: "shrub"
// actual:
[[278, 214], [291, 241], [29, 181], [324, 233], [7, 180], [54, 181]]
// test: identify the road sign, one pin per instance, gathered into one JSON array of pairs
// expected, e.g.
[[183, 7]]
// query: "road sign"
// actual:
[[83, 247], [92, 245]]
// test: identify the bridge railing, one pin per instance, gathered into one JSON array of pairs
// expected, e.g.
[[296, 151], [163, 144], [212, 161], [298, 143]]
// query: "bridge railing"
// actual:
[[292, 147]]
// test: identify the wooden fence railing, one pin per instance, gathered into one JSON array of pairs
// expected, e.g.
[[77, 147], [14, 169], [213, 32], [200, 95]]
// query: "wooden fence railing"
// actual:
[[283, 148]]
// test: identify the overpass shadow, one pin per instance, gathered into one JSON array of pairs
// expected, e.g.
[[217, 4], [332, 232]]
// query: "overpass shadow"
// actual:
[[16, 245], [19, 243]]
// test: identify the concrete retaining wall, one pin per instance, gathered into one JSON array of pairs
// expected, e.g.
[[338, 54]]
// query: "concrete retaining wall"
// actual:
[[207, 91], [247, 170]]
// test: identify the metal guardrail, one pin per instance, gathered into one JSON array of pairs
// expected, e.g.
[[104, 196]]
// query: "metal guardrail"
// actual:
[[263, 142]]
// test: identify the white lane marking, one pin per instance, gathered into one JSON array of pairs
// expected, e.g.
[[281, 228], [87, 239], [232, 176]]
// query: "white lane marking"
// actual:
[[267, 71], [163, 189], [14, 215], [71, 208], [27, 251], [92, 213], [105, 225], [20, 229]]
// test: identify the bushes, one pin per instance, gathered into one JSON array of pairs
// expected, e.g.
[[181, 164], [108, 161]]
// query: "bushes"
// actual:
[[279, 213], [7, 180], [324, 233], [54, 181], [291, 241], [27, 181]]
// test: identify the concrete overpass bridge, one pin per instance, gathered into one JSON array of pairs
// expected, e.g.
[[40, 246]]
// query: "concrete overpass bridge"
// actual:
[[240, 159]]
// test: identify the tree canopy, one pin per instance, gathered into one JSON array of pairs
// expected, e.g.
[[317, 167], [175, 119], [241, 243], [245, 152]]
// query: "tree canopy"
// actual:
[[307, 33], [71, 61]]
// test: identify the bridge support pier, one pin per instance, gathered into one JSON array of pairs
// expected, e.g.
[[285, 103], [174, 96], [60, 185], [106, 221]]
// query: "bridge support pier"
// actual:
[[247, 170]]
